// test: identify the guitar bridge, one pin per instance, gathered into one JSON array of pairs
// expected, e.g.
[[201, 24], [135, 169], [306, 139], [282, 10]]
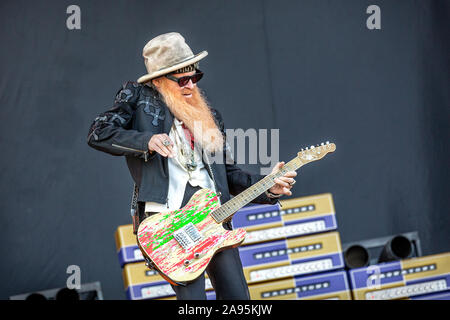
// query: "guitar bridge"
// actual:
[[188, 236]]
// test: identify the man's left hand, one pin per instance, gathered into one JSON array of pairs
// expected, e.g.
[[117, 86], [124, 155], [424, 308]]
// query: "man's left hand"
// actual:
[[283, 184]]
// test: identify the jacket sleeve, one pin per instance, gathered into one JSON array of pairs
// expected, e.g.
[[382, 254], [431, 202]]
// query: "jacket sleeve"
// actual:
[[111, 131], [238, 179]]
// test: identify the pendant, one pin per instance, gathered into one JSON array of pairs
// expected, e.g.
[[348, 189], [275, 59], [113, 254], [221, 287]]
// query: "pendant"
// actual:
[[191, 166]]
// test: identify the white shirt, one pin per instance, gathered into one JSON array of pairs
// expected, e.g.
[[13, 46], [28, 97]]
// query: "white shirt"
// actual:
[[179, 175]]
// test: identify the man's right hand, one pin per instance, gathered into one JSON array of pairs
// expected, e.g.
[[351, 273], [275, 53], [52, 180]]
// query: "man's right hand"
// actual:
[[156, 143]]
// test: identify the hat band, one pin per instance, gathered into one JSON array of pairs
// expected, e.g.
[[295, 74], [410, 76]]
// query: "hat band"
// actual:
[[188, 68]]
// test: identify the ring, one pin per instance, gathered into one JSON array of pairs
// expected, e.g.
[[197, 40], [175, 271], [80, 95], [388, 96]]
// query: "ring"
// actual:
[[166, 142], [293, 182]]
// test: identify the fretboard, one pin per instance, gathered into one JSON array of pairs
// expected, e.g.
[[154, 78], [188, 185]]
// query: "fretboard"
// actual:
[[229, 208]]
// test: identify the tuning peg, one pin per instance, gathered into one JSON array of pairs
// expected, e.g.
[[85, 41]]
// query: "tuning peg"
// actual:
[[312, 147], [328, 142], [322, 144]]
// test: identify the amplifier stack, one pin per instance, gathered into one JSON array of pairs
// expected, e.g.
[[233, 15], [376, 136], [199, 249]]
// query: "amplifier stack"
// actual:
[[294, 251], [290, 252]]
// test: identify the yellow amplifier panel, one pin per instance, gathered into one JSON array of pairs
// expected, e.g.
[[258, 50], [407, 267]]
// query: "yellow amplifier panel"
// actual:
[[137, 273], [309, 206], [124, 236]]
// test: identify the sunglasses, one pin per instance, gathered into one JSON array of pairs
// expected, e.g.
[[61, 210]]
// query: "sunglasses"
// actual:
[[183, 81]]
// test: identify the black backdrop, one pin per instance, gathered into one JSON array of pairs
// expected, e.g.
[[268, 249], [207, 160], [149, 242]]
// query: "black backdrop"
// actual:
[[310, 68]]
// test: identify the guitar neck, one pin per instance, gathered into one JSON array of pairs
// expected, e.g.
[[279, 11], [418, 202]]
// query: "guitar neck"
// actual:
[[229, 208]]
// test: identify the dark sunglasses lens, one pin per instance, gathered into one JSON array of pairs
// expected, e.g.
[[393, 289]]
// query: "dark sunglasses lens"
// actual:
[[196, 77], [183, 81]]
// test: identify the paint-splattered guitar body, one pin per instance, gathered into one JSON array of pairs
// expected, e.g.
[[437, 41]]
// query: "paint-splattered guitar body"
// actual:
[[181, 243]]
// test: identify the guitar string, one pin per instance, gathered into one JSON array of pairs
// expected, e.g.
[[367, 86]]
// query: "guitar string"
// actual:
[[231, 206]]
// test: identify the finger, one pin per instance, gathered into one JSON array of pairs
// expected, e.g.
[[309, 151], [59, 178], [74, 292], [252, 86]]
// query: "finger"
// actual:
[[284, 182], [171, 151], [161, 151], [281, 182], [164, 137], [165, 151], [286, 179], [164, 148], [287, 192], [290, 174], [278, 166], [158, 149], [161, 146], [170, 146]]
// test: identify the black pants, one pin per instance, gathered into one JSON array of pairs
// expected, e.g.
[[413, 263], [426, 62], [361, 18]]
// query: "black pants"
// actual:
[[224, 271]]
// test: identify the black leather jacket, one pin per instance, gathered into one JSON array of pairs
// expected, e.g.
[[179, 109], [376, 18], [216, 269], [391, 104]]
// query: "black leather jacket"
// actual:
[[125, 130]]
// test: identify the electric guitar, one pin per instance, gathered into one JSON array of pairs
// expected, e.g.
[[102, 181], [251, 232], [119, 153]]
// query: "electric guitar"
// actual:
[[180, 244]]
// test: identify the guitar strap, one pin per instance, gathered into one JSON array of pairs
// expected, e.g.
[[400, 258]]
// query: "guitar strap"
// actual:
[[134, 209]]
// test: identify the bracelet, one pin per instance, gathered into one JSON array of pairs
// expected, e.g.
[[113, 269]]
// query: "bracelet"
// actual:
[[272, 195]]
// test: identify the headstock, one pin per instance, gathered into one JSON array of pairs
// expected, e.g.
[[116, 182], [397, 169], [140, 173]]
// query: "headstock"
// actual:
[[317, 152]]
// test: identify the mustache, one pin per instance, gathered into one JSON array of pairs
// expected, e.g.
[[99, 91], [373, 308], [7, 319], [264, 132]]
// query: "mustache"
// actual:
[[187, 91]]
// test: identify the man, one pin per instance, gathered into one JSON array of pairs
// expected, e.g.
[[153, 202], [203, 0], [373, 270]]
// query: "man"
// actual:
[[165, 128]]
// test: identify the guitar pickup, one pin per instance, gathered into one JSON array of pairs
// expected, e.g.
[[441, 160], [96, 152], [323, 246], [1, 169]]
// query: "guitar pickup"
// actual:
[[188, 236]]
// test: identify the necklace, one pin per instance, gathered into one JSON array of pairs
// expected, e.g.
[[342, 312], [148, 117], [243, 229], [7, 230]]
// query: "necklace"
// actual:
[[186, 156]]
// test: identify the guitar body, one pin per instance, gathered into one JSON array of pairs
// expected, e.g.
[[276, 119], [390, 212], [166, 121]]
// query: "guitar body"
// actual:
[[181, 243]]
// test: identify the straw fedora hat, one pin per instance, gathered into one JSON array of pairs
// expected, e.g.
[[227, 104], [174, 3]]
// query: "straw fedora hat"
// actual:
[[167, 53]]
